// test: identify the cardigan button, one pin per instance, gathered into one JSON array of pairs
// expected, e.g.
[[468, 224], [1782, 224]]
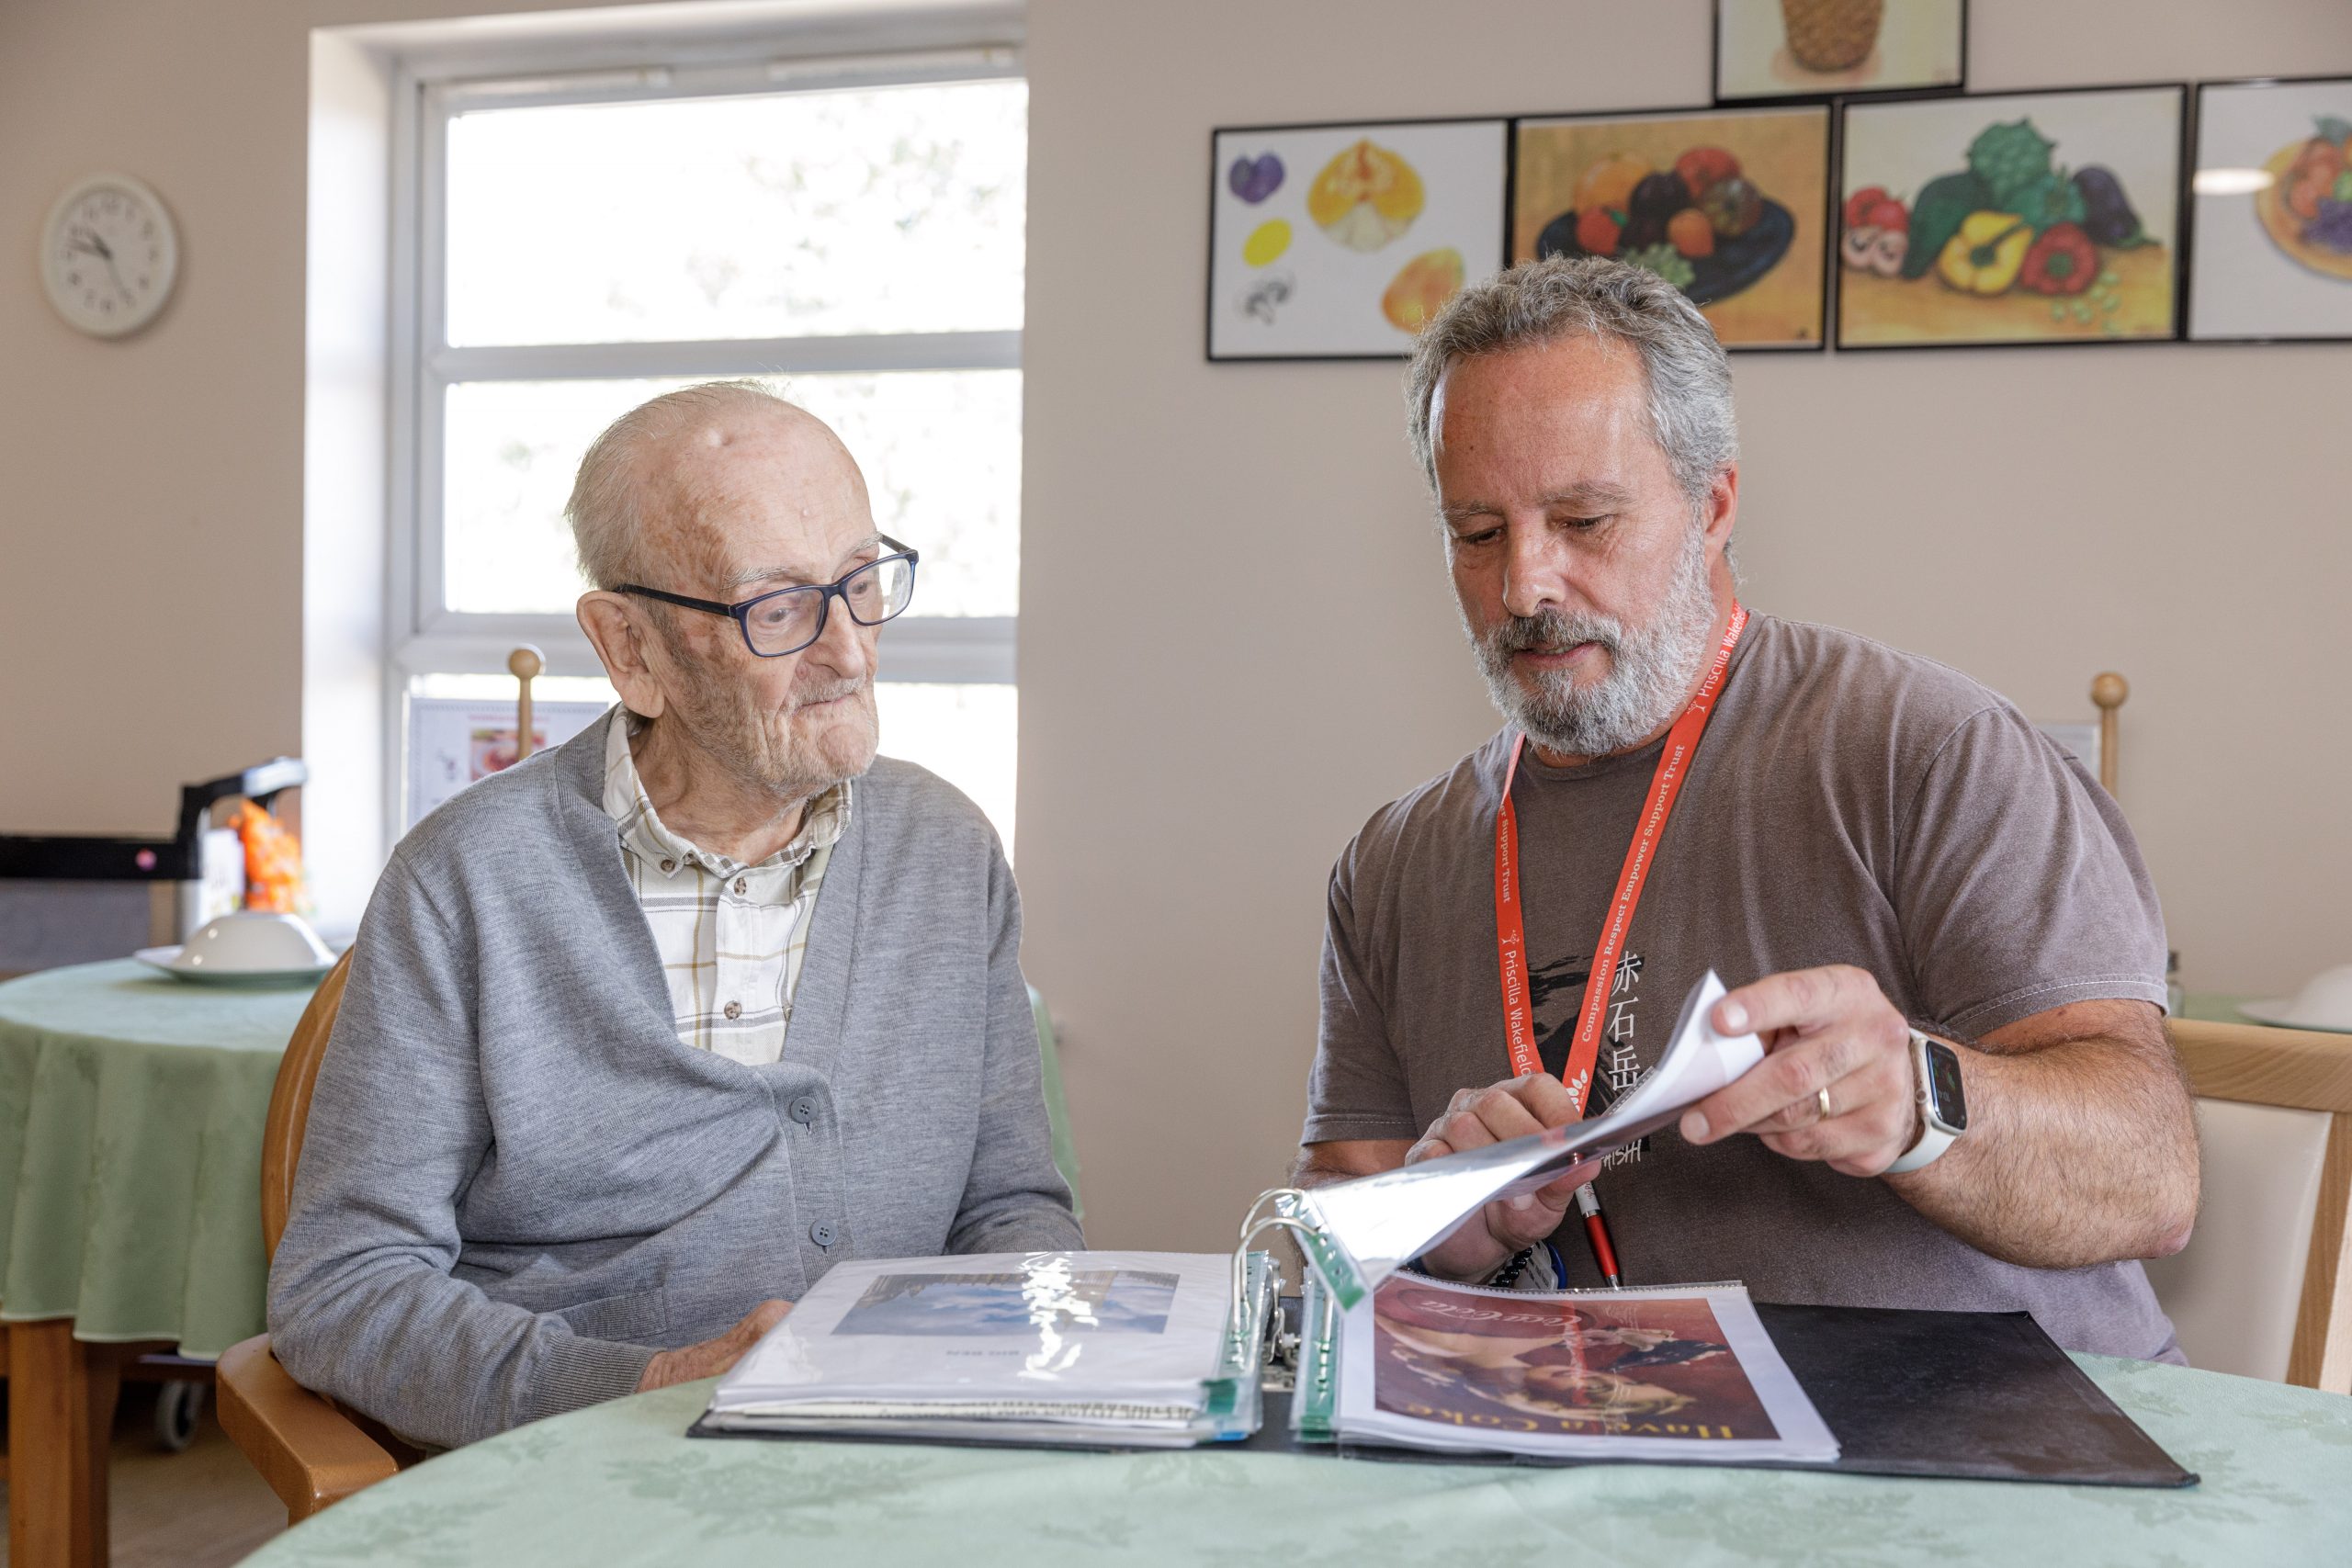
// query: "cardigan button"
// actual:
[[822, 1233], [803, 1108]]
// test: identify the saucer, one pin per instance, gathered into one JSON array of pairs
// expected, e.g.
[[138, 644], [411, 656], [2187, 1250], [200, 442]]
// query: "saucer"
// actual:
[[171, 961]]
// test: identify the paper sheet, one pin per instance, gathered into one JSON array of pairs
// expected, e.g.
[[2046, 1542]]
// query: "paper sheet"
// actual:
[[1383, 1222]]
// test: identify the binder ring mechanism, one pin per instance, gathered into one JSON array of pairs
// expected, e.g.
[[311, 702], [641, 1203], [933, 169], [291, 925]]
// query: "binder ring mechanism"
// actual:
[[1260, 1316]]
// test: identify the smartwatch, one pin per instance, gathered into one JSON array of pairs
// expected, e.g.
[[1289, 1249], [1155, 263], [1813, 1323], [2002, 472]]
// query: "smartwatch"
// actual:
[[1943, 1106]]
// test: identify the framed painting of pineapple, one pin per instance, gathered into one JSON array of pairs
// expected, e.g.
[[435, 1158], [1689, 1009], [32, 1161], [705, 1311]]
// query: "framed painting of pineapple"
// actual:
[[1730, 205], [1768, 50], [2270, 208], [1336, 241], [2018, 218]]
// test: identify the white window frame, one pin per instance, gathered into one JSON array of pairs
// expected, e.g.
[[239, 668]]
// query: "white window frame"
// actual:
[[425, 637]]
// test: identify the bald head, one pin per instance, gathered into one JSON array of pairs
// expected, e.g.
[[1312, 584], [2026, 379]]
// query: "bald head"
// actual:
[[674, 490]]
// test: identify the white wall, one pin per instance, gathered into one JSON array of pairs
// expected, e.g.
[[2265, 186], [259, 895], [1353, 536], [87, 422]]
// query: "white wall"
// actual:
[[1236, 638]]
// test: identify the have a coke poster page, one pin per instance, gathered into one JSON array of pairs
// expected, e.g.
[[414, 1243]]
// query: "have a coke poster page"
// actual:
[[1641, 1367]]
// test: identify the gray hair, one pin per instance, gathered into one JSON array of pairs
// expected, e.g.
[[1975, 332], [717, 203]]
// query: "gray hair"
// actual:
[[1541, 301], [607, 526]]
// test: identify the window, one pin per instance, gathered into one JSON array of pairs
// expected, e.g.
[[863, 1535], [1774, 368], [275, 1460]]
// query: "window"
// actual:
[[849, 231]]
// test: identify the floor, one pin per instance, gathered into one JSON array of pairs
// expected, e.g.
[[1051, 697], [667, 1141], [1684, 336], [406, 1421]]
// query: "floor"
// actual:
[[204, 1508]]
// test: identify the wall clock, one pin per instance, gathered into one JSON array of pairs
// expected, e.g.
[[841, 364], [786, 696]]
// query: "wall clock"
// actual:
[[108, 256]]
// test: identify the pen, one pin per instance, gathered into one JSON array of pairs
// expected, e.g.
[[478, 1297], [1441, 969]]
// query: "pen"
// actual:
[[1596, 1231]]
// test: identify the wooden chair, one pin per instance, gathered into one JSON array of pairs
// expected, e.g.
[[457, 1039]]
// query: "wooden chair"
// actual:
[[2264, 1288], [310, 1452]]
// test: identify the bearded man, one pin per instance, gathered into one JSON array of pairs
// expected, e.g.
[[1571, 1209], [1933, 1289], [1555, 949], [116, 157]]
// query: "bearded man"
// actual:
[[1937, 922], [644, 1034]]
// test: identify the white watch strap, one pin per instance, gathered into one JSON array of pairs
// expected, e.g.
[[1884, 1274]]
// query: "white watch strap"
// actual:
[[1934, 1139], [1932, 1142]]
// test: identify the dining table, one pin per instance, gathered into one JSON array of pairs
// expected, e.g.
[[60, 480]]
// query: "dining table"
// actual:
[[132, 1107], [621, 1485]]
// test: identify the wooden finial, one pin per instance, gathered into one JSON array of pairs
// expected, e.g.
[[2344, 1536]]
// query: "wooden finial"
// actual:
[[2108, 691], [525, 664]]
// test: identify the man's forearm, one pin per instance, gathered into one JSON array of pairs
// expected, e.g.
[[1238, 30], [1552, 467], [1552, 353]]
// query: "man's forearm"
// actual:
[[1344, 1159], [1313, 1169], [2078, 1152]]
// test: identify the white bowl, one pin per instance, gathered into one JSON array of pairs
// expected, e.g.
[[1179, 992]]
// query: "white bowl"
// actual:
[[2325, 1002], [252, 944]]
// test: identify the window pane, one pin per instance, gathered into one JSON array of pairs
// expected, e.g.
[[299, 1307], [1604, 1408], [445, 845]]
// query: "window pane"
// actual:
[[940, 450], [967, 735], [890, 209]]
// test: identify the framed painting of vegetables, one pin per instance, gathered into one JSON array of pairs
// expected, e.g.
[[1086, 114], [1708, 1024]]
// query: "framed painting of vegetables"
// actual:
[[1815, 49], [1729, 205], [2022, 218], [1336, 241], [2272, 211]]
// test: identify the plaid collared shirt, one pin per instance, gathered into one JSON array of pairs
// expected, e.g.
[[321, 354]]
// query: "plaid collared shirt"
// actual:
[[730, 935]]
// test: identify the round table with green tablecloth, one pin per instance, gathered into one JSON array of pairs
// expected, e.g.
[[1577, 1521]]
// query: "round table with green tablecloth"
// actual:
[[131, 1108], [130, 1118], [620, 1485]]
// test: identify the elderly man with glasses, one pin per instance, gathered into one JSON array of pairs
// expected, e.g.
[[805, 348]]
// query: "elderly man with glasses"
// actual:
[[644, 1034]]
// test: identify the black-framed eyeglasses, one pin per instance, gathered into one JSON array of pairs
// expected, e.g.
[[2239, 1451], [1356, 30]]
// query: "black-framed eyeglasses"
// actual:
[[789, 619]]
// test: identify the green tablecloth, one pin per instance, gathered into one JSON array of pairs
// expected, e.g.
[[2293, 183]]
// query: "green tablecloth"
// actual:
[[617, 1485], [131, 1119]]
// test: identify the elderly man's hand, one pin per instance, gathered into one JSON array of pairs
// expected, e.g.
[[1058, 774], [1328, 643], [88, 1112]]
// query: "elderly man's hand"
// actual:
[[1476, 1118], [712, 1356], [1829, 1029]]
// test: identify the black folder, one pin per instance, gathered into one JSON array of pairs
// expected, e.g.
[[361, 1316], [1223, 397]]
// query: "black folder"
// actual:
[[1971, 1395]]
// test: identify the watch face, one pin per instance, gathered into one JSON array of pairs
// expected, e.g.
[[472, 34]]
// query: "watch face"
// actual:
[[1946, 1099]]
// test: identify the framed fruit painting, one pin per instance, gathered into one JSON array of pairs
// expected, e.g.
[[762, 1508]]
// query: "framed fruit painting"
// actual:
[[1336, 241], [1730, 205], [2272, 211], [2023, 218], [1816, 49]]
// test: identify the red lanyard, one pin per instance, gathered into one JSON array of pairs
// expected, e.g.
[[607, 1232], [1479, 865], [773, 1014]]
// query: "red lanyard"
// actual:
[[1511, 927]]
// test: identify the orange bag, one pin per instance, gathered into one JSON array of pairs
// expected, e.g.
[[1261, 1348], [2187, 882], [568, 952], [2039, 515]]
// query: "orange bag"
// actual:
[[273, 860]]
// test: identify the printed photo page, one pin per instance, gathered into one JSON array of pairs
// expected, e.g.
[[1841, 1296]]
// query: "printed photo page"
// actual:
[[1678, 1374], [1123, 1340]]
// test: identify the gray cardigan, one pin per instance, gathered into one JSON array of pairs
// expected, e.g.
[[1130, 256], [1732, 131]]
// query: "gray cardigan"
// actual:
[[517, 1183]]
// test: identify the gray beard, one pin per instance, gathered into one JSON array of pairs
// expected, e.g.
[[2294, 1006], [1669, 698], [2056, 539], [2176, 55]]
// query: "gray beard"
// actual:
[[1651, 667]]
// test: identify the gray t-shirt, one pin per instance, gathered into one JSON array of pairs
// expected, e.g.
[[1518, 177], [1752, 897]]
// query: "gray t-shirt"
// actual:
[[1848, 805]]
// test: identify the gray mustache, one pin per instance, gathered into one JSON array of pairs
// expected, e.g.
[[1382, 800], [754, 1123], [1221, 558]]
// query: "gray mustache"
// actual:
[[827, 694], [1521, 632]]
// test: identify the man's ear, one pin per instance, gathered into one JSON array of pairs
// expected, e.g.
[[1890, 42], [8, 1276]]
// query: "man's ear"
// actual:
[[620, 642], [1723, 507]]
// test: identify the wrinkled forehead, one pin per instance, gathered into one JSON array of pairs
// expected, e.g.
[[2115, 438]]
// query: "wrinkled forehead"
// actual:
[[1573, 407], [744, 495]]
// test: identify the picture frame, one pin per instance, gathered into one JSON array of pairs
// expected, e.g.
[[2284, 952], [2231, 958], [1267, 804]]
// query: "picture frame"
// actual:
[[1337, 240], [1754, 257], [1813, 50], [2070, 200], [2273, 248], [456, 741]]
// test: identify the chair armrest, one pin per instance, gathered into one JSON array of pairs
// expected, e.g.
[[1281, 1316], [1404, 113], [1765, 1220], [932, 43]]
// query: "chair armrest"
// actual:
[[309, 1452]]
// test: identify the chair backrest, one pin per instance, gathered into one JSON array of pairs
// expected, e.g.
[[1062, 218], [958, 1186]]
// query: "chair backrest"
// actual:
[[2264, 1288], [290, 1102]]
